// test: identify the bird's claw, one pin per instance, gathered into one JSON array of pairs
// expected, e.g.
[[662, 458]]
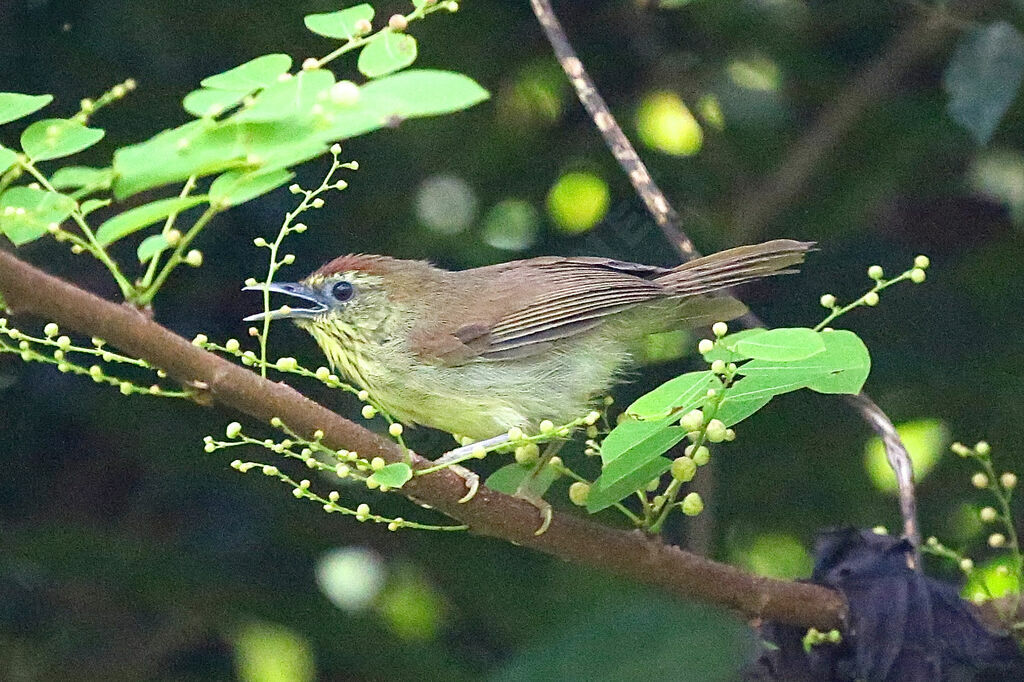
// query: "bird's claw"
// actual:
[[472, 482], [542, 506]]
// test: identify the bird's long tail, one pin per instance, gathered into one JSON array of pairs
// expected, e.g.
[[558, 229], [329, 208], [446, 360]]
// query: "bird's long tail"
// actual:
[[735, 266]]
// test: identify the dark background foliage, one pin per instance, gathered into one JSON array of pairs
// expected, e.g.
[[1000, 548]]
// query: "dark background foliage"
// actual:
[[129, 553]]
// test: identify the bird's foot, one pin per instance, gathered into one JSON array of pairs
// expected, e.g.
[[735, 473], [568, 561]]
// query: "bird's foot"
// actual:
[[472, 482], [524, 493]]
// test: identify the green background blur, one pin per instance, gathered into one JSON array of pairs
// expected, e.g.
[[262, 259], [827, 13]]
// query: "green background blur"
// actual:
[[128, 553]]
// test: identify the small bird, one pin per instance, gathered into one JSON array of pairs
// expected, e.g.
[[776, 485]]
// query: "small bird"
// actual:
[[477, 352]]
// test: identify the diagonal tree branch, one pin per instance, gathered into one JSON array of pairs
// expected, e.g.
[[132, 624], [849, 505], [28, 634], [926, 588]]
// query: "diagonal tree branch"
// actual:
[[668, 220], [631, 554]]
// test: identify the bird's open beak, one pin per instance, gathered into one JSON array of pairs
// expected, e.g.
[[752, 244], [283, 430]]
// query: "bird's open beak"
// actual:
[[296, 290]]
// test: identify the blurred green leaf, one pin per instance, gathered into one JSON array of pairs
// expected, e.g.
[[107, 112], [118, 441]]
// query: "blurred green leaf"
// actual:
[[250, 76], [90, 205], [294, 97], [388, 53], [988, 581], [26, 213], [393, 475], [983, 76], [132, 220], [75, 177], [237, 187], [340, 24], [926, 441], [150, 246], [631, 457], [8, 157], [209, 102], [53, 138], [785, 344], [508, 478], [734, 408], [265, 652], [681, 394], [425, 92], [411, 606], [14, 105]]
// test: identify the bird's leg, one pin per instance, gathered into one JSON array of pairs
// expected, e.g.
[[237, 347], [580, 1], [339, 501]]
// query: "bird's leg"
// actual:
[[527, 489], [452, 459]]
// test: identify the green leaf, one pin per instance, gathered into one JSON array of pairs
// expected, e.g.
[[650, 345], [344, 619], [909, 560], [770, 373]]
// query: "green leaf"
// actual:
[[75, 177], [250, 76], [983, 76], [340, 24], [90, 205], [203, 147], [8, 157], [237, 187], [781, 344], [510, 477], [150, 246], [681, 394], [387, 54], [735, 408], [841, 368], [139, 217], [14, 105], [615, 485], [393, 475], [26, 213], [427, 92], [725, 348], [631, 457], [293, 97], [53, 138], [850, 363], [209, 102]]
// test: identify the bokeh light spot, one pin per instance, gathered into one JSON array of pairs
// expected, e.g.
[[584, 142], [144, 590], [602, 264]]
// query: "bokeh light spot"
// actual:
[[578, 201], [664, 123], [777, 555], [350, 577], [446, 204], [999, 174], [926, 440], [756, 73], [511, 225], [987, 581], [411, 606], [267, 652]]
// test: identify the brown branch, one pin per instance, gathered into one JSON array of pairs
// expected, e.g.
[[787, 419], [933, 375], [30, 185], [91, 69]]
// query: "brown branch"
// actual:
[[668, 220], [630, 554]]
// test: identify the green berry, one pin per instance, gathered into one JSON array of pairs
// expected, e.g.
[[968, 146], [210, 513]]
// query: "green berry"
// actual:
[[871, 298], [716, 431], [875, 272], [917, 275], [692, 504], [922, 262], [827, 301], [578, 493], [683, 469], [692, 420]]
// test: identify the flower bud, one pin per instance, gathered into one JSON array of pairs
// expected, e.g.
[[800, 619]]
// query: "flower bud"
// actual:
[[51, 329], [982, 448], [547, 426], [194, 258], [692, 504], [917, 275], [377, 463], [715, 431], [232, 345], [578, 493], [719, 329], [996, 540], [395, 429], [287, 364], [718, 366], [966, 565], [871, 298], [701, 455], [398, 23], [705, 346], [1009, 480], [233, 430], [363, 512], [527, 454], [363, 26], [979, 480], [683, 469], [922, 262], [988, 514], [369, 411], [876, 272], [692, 420]]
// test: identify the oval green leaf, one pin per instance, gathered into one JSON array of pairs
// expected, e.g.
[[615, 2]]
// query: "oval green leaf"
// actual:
[[426, 92], [8, 157], [294, 97], [631, 456], [211, 103], [150, 246], [250, 76], [387, 54], [681, 394], [842, 367], [139, 217], [54, 138], [725, 347], [393, 475], [237, 187], [340, 24], [515, 477], [76, 177], [14, 105], [26, 213], [781, 344]]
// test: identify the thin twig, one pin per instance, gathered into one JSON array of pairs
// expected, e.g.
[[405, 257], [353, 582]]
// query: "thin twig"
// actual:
[[668, 220]]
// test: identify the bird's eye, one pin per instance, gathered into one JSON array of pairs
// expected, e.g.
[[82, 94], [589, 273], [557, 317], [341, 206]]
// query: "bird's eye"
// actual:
[[343, 291]]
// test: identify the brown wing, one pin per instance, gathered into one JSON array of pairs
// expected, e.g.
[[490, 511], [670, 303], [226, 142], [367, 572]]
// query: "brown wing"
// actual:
[[518, 309]]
